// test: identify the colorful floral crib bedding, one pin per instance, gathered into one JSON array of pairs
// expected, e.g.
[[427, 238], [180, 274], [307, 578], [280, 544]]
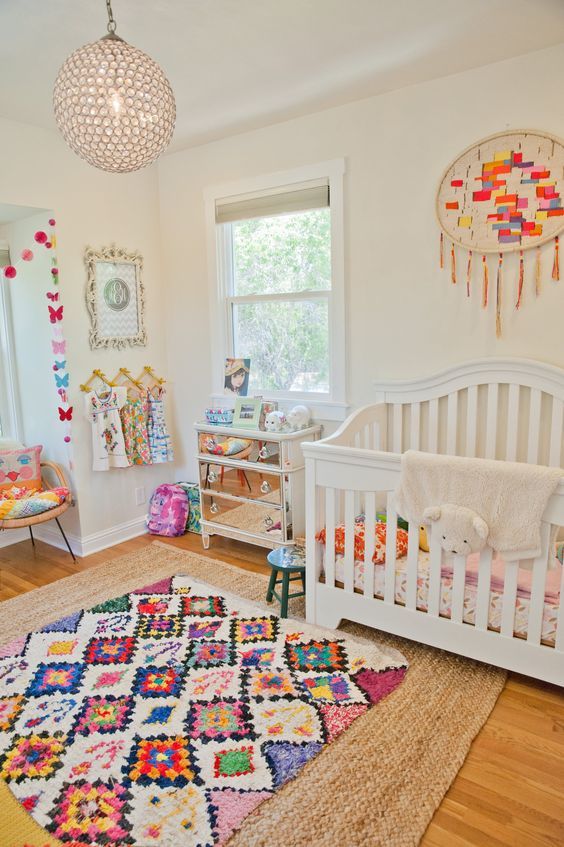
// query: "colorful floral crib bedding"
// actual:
[[551, 606]]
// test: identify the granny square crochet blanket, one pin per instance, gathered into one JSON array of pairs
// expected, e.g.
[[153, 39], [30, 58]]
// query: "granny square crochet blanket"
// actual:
[[166, 716]]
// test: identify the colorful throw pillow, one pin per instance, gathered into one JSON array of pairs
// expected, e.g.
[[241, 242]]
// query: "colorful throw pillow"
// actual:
[[21, 469], [229, 447], [379, 542], [36, 504]]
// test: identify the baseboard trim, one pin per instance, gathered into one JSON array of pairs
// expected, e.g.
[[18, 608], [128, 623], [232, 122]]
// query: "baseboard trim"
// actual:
[[81, 545]]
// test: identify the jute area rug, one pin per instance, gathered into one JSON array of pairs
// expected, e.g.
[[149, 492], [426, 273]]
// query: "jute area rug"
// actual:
[[377, 785]]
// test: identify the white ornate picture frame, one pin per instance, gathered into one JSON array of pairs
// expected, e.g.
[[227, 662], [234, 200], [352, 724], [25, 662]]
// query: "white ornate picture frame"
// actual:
[[115, 298]]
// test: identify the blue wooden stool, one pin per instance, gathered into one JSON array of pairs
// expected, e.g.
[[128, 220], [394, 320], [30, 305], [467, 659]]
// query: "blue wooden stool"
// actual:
[[288, 565]]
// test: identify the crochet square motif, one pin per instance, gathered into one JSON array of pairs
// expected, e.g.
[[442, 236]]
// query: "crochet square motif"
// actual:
[[56, 676], [109, 651]]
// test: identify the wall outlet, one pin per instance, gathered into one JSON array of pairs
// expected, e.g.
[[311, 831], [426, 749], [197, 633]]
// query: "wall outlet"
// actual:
[[140, 496]]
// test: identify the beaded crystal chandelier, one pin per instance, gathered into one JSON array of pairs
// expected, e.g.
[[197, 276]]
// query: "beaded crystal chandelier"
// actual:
[[113, 104]]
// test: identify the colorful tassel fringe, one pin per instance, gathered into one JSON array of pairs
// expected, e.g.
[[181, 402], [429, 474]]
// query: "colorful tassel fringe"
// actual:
[[521, 278], [468, 273], [498, 297], [485, 285], [452, 265], [556, 263], [538, 273]]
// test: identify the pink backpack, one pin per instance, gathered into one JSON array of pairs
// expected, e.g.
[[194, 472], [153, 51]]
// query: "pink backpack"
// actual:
[[168, 511]]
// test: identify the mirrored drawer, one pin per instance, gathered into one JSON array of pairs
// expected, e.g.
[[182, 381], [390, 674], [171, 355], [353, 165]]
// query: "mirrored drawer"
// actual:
[[241, 482], [241, 449], [256, 518]]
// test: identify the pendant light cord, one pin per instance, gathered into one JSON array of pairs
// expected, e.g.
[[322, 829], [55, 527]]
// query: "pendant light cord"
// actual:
[[111, 22]]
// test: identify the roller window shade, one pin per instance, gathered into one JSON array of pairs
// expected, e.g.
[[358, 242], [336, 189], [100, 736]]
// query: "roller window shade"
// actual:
[[267, 205], [4, 254]]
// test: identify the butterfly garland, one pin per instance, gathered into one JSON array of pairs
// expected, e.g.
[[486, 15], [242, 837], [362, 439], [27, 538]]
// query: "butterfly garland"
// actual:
[[58, 342]]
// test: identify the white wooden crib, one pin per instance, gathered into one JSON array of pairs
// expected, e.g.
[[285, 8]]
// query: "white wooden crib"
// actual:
[[509, 409]]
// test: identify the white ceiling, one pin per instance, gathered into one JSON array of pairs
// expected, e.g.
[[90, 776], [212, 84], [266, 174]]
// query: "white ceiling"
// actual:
[[240, 64]]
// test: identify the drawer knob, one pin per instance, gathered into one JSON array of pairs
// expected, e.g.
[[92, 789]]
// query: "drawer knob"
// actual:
[[265, 487], [263, 453], [212, 476], [214, 508], [268, 521]]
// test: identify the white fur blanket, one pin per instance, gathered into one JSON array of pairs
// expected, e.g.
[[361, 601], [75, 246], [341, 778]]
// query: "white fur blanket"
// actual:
[[510, 496]]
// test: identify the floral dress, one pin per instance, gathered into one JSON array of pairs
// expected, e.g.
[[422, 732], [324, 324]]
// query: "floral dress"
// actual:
[[159, 439], [134, 422], [108, 446]]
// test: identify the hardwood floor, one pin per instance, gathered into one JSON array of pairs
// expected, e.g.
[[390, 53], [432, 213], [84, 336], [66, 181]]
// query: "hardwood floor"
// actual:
[[510, 790]]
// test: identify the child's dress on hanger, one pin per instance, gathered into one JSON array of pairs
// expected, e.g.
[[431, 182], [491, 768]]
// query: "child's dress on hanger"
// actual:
[[134, 422], [159, 439], [108, 446]]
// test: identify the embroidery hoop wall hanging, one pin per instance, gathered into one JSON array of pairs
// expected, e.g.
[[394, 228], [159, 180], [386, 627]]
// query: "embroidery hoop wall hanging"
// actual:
[[503, 195]]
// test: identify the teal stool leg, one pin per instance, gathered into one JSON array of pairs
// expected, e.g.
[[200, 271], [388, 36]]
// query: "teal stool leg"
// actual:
[[271, 584], [285, 592]]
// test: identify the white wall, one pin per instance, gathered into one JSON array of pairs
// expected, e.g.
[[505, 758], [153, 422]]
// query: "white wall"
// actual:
[[91, 208], [404, 318]]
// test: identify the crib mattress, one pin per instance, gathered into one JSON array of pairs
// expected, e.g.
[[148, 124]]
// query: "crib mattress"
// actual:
[[550, 613]]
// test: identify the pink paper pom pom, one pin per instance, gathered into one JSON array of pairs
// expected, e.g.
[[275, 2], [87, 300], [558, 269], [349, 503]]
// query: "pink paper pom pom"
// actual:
[[40, 236], [48, 245], [10, 272], [27, 254], [55, 271], [67, 439], [52, 221]]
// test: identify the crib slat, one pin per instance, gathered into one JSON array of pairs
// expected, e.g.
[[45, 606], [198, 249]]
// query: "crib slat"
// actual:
[[509, 598], [433, 436], [452, 423], [491, 421], [536, 603], [415, 426], [559, 642], [534, 426], [412, 564], [376, 436], [391, 535], [349, 541], [483, 593], [512, 423], [458, 581], [369, 522], [397, 428], [471, 418], [435, 560], [555, 434], [330, 537]]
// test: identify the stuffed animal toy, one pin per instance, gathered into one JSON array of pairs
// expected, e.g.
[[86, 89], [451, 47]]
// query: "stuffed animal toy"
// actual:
[[299, 418], [275, 422], [462, 530]]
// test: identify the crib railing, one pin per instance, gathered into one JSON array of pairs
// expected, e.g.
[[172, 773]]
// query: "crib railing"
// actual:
[[343, 482]]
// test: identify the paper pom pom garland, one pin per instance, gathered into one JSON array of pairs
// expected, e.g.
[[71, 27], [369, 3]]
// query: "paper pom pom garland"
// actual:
[[58, 342]]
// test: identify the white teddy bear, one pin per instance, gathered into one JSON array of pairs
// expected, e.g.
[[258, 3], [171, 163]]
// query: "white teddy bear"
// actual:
[[299, 418], [275, 422], [462, 530]]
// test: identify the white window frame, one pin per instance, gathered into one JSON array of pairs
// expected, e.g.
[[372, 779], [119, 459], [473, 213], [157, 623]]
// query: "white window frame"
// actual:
[[9, 392], [332, 406]]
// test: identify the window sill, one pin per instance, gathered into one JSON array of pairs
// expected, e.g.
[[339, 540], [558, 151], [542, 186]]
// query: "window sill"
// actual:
[[321, 410]]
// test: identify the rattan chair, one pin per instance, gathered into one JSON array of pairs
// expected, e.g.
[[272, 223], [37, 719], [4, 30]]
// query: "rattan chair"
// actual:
[[50, 514]]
